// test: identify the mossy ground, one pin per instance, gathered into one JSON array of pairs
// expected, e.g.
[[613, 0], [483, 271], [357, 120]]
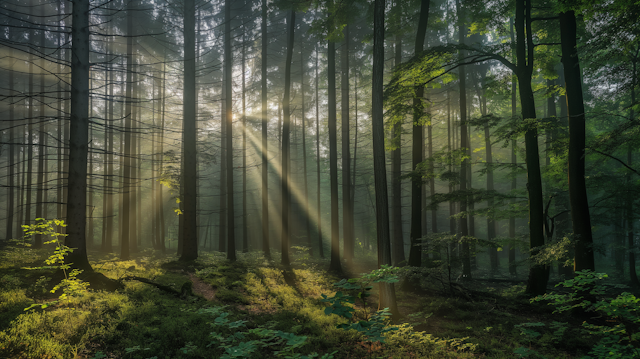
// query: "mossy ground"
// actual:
[[141, 321]]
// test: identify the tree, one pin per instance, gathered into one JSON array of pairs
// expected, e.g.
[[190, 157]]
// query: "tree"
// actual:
[[415, 253], [334, 265], [78, 138], [286, 108], [190, 233], [347, 210], [575, 106], [264, 150], [387, 291], [228, 58]]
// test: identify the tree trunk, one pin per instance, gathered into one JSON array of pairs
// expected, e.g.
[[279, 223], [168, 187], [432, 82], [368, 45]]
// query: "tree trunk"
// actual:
[[320, 245], [464, 229], [245, 226], [228, 58], [125, 240], [415, 251], [189, 130], [577, 188], [78, 138], [347, 210], [265, 165], [512, 219], [538, 276], [286, 197], [335, 265], [396, 185], [387, 291], [304, 159]]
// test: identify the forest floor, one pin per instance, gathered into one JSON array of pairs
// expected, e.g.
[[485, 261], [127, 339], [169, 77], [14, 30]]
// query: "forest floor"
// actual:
[[255, 308]]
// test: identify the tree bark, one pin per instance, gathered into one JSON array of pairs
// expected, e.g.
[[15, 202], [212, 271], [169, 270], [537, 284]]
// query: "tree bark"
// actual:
[[189, 130], [334, 265], [577, 188], [286, 109], [399, 258], [78, 138], [415, 252], [464, 229], [387, 291], [347, 210], [228, 58], [320, 245], [265, 166]]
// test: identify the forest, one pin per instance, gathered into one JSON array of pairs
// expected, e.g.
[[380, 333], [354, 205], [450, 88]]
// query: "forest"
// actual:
[[319, 179]]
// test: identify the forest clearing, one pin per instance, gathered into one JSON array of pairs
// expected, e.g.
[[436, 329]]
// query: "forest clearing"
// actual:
[[319, 179]]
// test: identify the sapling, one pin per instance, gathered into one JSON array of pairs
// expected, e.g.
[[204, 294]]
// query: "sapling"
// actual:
[[71, 286]]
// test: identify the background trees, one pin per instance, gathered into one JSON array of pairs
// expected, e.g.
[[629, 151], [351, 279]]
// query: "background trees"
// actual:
[[166, 85]]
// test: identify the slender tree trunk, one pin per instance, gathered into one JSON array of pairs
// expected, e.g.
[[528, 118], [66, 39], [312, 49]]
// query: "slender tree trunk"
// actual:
[[577, 188], [42, 145], [265, 165], [125, 237], [286, 197], [633, 276], [245, 226], [320, 245], [387, 291], [396, 185], [160, 200], [514, 180], [12, 147], [29, 196], [538, 276], [228, 58], [78, 138], [307, 216], [415, 252], [189, 131], [347, 210], [133, 154], [222, 228], [464, 229], [335, 265]]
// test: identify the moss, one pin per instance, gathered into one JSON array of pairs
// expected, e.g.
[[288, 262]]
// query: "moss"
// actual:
[[230, 296]]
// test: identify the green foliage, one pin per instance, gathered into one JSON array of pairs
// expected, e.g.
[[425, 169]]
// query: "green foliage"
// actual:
[[71, 286], [238, 341], [372, 325], [617, 336]]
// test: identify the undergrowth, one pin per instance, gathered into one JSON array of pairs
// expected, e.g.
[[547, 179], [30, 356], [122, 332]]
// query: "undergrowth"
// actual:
[[259, 310]]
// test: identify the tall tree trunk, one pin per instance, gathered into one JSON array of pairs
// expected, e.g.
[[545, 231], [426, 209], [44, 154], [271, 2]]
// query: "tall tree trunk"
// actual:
[[189, 131], [577, 188], [42, 142], [12, 147], [286, 196], [320, 245], [633, 276], [133, 154], [347, 210], [265, 165], [396, 185], [160, 200], [228, 58], [538, 275], [335, 265], [245, 226], [514, 180], [222, 228], [307, 217], [28, 190], [125, 236], [387, 291], [78, 138], [415, 252], [464, 229]]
